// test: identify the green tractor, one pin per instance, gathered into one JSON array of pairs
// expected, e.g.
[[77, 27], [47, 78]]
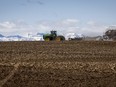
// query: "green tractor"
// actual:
[[53, 37]]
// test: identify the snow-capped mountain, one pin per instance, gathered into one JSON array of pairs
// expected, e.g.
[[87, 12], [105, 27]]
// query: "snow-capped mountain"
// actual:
[[1, 35], [11, 38], [14, 36], [40, 34], [31, 37], [35, 37]]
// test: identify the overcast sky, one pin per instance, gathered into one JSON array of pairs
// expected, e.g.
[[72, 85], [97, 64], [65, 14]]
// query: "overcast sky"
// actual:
[[89, 17]]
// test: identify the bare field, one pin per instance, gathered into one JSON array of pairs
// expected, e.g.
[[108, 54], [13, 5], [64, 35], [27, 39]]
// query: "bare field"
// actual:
[[58, 64]]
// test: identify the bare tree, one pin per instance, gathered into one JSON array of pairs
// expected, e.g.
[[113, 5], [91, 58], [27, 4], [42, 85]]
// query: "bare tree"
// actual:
[[110, 33]]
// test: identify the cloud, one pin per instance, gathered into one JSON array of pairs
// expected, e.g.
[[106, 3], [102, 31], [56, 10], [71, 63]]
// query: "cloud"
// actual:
[[35, 2], [112, 27], [65, 26], [93, 28], [67, 23], [29, 2], [91, 23], [12, 28], [7, 25]]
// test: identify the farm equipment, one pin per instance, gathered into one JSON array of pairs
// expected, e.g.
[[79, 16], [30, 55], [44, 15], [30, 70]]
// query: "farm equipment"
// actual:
[[53, 37], [74, 36]]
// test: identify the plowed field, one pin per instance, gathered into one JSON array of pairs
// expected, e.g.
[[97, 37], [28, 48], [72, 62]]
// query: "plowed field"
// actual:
[[58, 64]]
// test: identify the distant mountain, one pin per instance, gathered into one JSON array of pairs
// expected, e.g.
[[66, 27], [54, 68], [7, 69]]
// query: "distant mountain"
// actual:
[[37, 37], [40, 33], [1, 35], [14, 36]]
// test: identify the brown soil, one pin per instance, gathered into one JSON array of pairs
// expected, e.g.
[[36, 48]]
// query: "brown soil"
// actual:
[[58, 64]]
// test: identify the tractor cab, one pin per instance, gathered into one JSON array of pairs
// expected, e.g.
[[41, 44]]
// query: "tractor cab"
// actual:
[[54, 33]]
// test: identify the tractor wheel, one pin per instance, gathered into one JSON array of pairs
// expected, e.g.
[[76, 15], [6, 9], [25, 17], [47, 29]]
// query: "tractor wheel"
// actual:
[[60, 38], [47, 39]]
